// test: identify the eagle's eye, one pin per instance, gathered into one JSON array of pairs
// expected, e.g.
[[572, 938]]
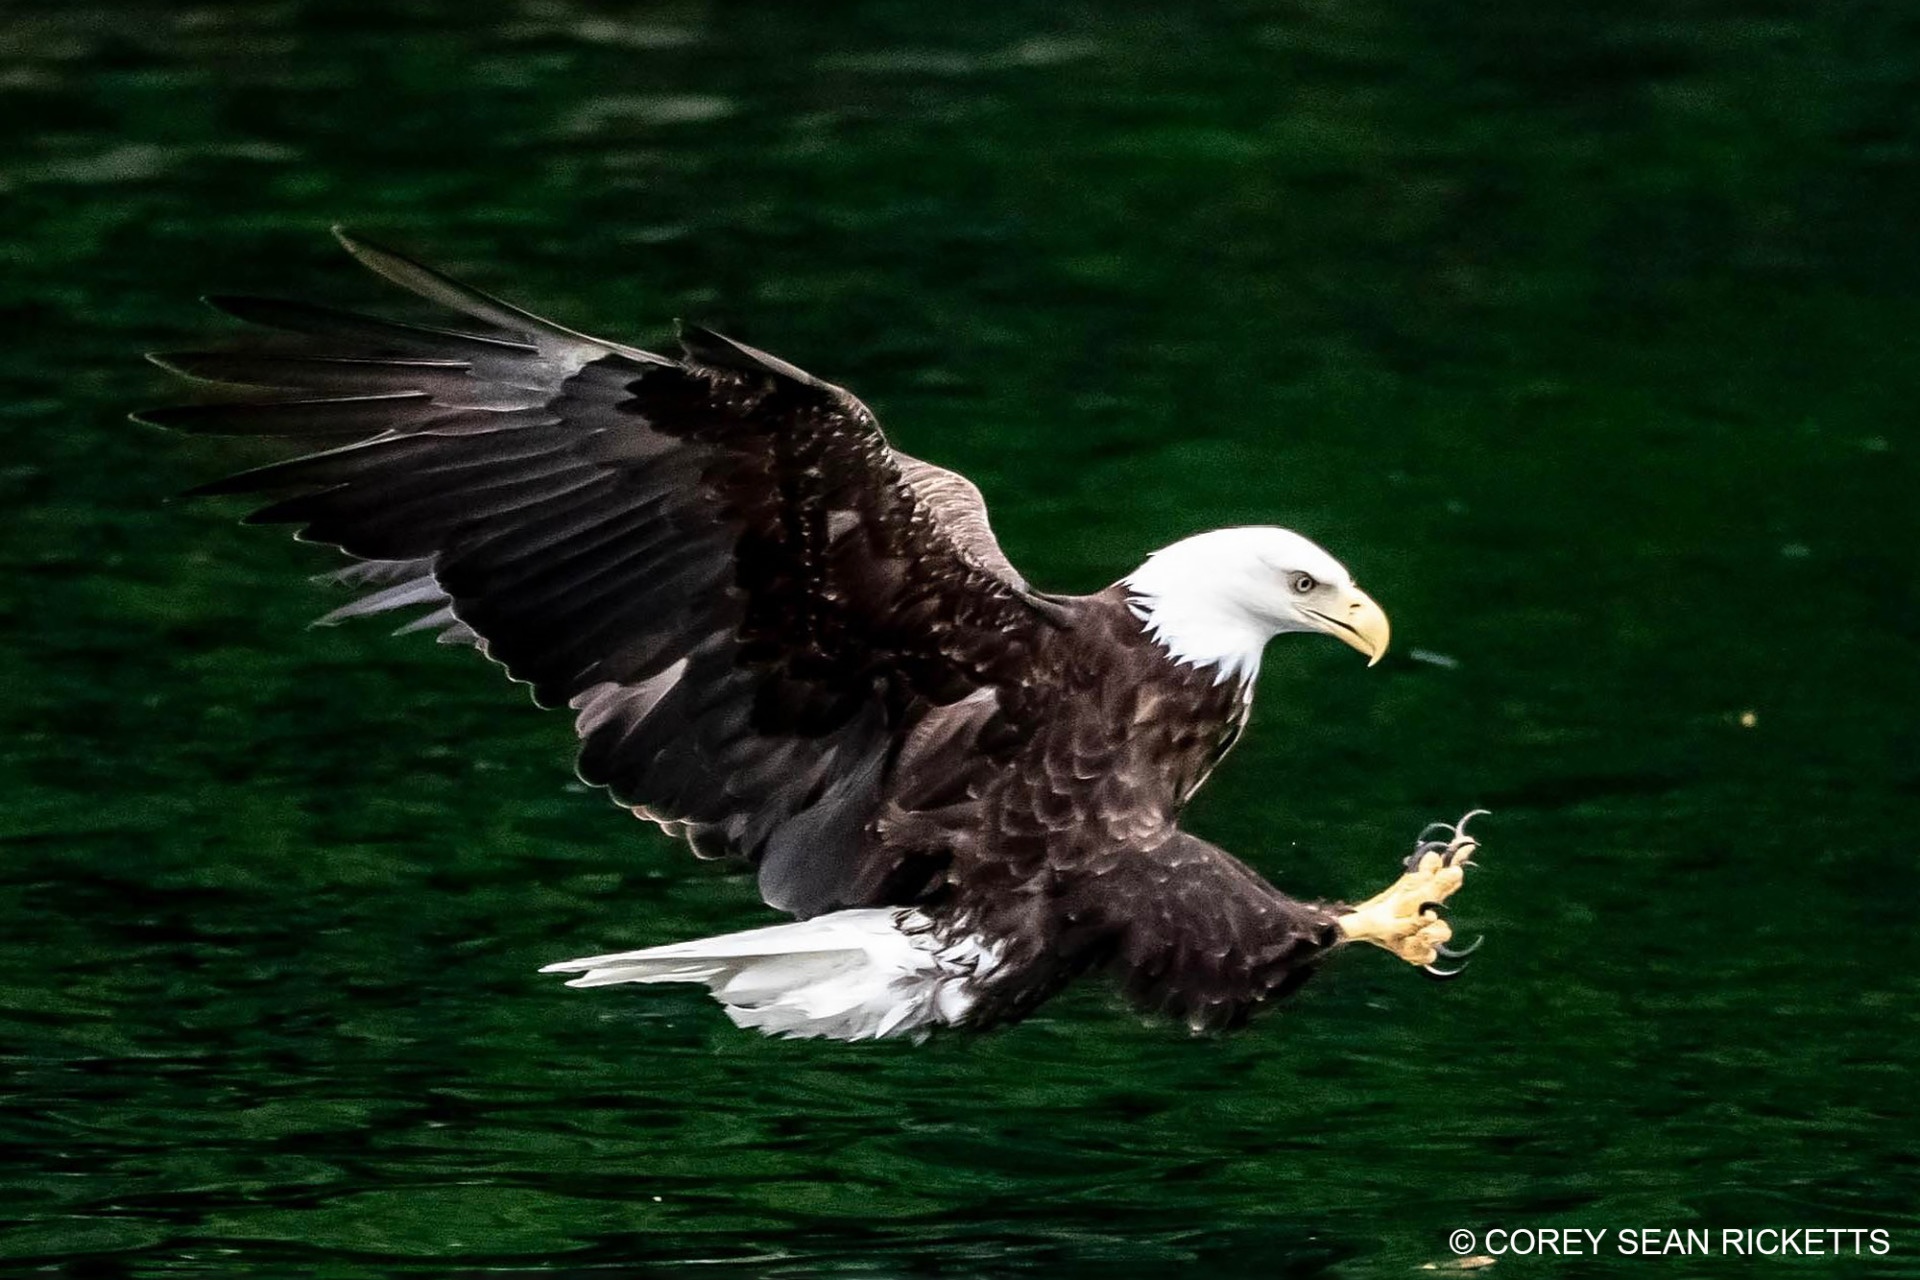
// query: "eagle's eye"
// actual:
[[1303, 583]]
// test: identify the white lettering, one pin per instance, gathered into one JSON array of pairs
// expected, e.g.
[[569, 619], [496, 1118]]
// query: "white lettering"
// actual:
[[1653, 1242]]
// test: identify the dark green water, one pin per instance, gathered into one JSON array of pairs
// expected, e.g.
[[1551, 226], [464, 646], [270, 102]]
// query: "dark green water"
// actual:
[[1584, 334]]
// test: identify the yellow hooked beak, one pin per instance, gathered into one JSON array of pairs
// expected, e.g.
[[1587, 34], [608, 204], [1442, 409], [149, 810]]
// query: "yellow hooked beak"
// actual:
[[1357, 620]]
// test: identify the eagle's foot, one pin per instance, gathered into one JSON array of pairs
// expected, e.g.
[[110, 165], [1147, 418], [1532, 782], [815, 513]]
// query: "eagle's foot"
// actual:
[[1405, 917]]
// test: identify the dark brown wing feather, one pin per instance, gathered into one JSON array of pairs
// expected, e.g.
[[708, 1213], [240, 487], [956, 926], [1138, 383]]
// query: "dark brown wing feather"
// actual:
[[744, 594], [956, 505]]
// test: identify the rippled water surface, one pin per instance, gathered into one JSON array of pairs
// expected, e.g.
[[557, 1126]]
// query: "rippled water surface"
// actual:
[[1583, 333]]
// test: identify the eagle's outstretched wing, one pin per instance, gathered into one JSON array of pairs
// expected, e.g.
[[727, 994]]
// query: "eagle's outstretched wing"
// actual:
[[716, 561]]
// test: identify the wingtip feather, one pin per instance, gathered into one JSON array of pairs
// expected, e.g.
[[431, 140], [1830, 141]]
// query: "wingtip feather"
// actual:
[[234, 306], [182, 364], [164, 416], [377, 258]]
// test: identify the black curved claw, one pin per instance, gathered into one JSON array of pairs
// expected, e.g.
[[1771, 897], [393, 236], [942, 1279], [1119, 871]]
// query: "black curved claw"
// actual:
[[1438, 974], [1424, 848], [1457, 953], [1457, 841]]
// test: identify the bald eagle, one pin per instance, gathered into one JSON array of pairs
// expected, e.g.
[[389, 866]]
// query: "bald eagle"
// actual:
[[799, 649]]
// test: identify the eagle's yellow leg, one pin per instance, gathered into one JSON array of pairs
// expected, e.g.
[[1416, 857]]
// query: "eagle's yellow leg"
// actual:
[[1405, 917]]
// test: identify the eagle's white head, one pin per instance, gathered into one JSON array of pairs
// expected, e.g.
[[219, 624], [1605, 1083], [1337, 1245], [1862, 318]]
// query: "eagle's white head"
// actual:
[[1215, 599]]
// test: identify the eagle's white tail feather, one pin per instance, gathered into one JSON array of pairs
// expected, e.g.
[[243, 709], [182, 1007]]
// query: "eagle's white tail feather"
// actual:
[[849, 975]]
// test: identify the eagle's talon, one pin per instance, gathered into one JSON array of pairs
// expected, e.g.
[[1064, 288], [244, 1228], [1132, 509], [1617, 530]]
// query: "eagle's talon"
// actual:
[[1406, 917], [1421, 849], [1459, 953], [1438, 974]]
